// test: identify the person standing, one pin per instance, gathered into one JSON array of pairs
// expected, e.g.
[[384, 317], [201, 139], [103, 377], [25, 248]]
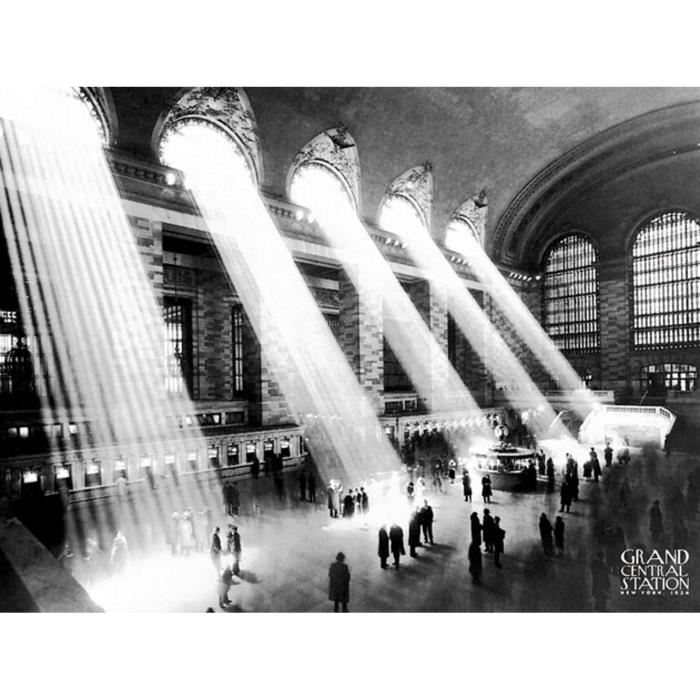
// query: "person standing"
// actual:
[[608, 455], [565, 496], [396, 540], [475, 563], [236, 549], [330, 493], [488, 531], [466, 485], [215, 549], [349, 505], [476, 529], [383, 550], [595, 464], [656, 522], [559, 535], [235, 498], [302, 485], [339, 583], [486, 488], [414, 533], [120, 553], [550, 475], [546, 535], [499, 536], [226, 495], [312, 487], [600, 582], [225, 581], [426, 520], [364, 498]]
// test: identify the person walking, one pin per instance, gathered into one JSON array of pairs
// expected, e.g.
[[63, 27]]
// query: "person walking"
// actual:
[[215, 549], [476, 528], [119, 554], [475, 563], [396, 540], [426, 521], [383, 549], [559, 535], [466, 485], [550, 475], [414, 532], [364, 499], [349, 505], [600, 582], [608, 455], [330, 493], [488, 531], [546, 535], [235, 498], [499, 535], [486, 490], [311, 483], [656, 522], [339, 583], [595, 464]]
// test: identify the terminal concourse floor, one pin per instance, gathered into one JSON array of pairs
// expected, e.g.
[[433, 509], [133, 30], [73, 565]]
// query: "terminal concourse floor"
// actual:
[[288, 546]]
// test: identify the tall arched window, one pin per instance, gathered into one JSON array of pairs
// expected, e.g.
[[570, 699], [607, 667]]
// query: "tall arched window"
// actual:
[[460, 235], [315, 184], [570, 294], [666, 282], [401, 216]]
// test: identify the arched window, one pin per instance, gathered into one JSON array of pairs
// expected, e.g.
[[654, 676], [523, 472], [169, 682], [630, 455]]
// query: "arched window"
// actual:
[[400, 215], [570, 294], [460, 235], [184, 143], [316, 184], [666, 282]]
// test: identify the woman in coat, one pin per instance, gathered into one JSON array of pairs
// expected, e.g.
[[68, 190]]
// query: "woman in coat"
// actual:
[[339, 583]]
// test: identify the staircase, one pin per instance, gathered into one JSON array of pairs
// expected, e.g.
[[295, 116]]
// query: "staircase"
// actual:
[[637, 426]]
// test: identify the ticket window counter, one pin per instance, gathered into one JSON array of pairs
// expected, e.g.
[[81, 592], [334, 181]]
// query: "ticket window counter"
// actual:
[[63, 476], [192, 462], [31, 486], [302, 445], [232, 456], [213, 457], [170, 465], [93, 473], [120, 469], [251, 451], [146, 471], [285, 448], [12, 483], [268, 454]]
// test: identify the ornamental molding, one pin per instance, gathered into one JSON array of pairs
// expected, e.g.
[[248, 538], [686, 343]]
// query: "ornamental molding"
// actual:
[[416, 184], [475, 212], [229, 108], [337, 149]]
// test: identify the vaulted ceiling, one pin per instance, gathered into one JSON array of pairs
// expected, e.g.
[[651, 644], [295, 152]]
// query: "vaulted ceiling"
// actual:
[[514, 142]]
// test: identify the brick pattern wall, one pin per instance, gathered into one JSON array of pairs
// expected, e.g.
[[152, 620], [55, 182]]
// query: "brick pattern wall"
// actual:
[[614, 334], [361, 336], [149, 241]]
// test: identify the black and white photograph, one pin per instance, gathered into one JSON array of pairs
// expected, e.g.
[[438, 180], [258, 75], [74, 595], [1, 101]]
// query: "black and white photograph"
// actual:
[[349, 349]]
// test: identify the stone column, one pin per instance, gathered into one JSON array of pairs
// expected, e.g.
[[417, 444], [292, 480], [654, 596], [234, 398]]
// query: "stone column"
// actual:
[[361, 336]]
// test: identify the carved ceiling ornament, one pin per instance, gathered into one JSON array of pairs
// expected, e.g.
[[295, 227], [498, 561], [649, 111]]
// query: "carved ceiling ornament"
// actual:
[[96, 102], [474, 211], [337, 149], [416, 184], [227, 107]]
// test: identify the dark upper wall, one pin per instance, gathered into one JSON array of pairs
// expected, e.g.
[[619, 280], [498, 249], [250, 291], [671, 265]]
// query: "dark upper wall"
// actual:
[[497, 138]]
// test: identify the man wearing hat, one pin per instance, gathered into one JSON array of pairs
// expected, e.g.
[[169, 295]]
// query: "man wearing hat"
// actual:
[[339, 588]]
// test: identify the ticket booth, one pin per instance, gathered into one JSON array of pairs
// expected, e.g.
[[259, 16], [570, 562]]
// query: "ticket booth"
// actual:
[[120, 469], [31, 487], [63, 476], [171, 467], [93, 473], [146, 471], [192, 462], [213, 457], [285, 447], [251, 449], [232, 455]]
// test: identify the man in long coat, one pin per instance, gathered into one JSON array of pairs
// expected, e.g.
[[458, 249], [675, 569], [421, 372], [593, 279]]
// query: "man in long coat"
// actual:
[[383, 550], [426, 521], [488, 528], [339, 583], [396, 538]]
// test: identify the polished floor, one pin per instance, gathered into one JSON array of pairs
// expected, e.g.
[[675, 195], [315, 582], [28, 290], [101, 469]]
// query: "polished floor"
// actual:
[[288, 546]]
